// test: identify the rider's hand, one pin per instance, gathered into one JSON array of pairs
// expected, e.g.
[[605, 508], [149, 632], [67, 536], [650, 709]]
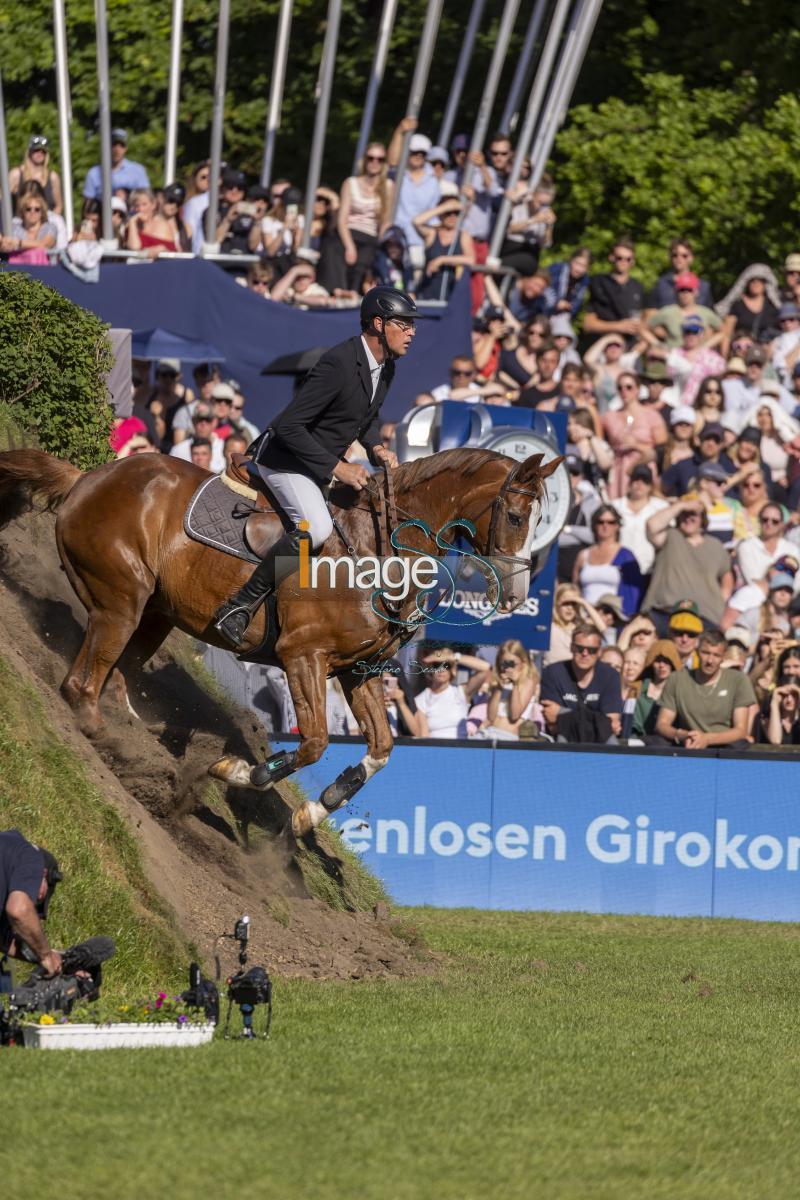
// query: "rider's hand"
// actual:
[[385, 456], [352, 474], [51, 962]]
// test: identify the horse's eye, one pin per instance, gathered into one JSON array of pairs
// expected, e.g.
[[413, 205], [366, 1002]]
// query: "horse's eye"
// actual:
[[514, 519]]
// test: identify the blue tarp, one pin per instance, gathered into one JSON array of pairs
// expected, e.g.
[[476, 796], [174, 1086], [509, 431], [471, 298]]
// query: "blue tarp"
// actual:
[[196, 299]]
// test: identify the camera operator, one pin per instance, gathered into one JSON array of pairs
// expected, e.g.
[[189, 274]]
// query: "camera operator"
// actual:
[[28, 878]]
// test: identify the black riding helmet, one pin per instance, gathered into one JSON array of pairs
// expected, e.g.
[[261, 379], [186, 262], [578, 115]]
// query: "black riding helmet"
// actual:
[[386, 302]]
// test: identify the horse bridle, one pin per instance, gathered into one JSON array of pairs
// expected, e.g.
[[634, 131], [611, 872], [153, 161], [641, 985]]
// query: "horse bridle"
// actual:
[[506, 488]]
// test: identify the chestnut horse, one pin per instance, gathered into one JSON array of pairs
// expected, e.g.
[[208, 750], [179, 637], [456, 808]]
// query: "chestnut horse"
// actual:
[[121, 540]]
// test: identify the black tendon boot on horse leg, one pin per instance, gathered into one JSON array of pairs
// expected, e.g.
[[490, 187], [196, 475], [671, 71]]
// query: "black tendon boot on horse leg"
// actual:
[[233, 618]]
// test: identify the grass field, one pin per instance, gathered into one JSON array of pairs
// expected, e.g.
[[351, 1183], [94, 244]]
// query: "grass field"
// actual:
[[554, 1055]]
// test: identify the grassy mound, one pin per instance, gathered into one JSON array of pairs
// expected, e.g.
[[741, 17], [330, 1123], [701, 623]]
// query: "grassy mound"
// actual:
[[46, 794]]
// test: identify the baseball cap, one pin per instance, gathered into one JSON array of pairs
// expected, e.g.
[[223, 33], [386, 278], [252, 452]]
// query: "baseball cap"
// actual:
[[118, 205], [223, 391], [693, 324], [686, 279], [756, 354], [168, 364], [712, 430], [176, 193], [781, 580], [683, 620], [461, 142], [257, 192], [38, 142], [234, 179], [712, 471], [740, 635], [750, 434], [787, 312], [682, 414], [418, 141], [448, 190], [640, 471], [574, 464], [201, 411], [736, 366], [792, 262], [438, 154], [119, 135], [561, 326]]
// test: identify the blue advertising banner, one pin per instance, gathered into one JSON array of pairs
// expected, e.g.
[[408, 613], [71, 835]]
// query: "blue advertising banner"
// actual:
[[527, 829]]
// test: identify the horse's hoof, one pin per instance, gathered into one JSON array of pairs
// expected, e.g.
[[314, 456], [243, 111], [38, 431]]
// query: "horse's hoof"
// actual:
[[232, 770], [308, 816]]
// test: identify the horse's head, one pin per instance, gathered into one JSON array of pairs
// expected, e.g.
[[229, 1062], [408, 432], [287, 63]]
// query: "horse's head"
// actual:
[[507, 524]]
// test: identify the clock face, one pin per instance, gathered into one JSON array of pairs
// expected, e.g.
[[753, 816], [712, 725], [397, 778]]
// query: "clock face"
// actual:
[[519, 444]]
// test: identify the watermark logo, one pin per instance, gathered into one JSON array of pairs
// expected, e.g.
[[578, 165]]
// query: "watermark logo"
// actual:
[[396, 578]]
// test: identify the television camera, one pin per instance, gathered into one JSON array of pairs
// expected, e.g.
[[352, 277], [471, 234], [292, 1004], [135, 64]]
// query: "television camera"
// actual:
[[80, 979]]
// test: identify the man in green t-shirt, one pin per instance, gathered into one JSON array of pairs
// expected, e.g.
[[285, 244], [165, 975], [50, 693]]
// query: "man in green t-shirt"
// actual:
[[706, 705]]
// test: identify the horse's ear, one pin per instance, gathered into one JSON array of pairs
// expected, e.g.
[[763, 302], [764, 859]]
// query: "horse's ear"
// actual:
[[547, 470]]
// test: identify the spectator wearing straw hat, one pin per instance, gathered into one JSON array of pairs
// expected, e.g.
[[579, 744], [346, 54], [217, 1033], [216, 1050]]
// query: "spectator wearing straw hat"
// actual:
[[791, 278], [125, 173]]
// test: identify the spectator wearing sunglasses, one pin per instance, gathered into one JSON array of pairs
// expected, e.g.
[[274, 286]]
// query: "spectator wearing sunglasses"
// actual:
[[365, 205], [236, 418], [665, 292], [419, 188], [607, 568], [616, 299], [582, 696], [688, 563], [36, 165], [755, 555]]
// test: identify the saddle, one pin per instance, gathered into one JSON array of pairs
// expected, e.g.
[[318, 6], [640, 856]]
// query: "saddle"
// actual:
[[233, 514]]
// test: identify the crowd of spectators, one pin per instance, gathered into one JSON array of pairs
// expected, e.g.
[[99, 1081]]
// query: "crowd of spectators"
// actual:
[[678, 605]]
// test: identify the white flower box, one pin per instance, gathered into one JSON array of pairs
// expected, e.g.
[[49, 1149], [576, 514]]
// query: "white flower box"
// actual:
[[109, 1037]]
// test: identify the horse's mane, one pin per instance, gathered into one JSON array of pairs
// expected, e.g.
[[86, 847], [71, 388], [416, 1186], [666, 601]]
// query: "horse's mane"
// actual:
[[462, 462]]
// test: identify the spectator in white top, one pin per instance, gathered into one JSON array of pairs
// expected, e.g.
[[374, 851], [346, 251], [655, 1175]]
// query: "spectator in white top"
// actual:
[[755, 555], [194, 209], [419, 188], [203, 421], [786, 347], [443, 706], [636, 508]]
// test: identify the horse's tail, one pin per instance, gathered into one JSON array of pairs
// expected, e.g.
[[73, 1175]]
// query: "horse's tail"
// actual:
[[28, 473]]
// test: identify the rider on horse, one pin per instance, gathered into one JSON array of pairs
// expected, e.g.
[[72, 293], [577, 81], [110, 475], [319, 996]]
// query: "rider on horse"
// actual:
[[303, 450]]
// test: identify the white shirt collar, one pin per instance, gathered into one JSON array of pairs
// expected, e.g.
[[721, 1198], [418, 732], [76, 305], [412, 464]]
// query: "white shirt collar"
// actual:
[[372, 361]]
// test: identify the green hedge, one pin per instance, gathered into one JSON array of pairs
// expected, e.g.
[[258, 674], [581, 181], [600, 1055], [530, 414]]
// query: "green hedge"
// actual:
[[53, 361]]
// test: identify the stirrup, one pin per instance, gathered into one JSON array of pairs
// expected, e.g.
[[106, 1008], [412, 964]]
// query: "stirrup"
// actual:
[[224, 613]]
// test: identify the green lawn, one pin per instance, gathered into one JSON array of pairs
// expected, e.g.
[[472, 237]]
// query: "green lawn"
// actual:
[[563, 1056]]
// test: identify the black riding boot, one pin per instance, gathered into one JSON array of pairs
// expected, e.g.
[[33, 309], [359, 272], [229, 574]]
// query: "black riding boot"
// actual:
[[234, 616]]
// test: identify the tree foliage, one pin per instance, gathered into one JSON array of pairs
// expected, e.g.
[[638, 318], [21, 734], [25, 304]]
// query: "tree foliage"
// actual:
[[53, 358], [688, 162]]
